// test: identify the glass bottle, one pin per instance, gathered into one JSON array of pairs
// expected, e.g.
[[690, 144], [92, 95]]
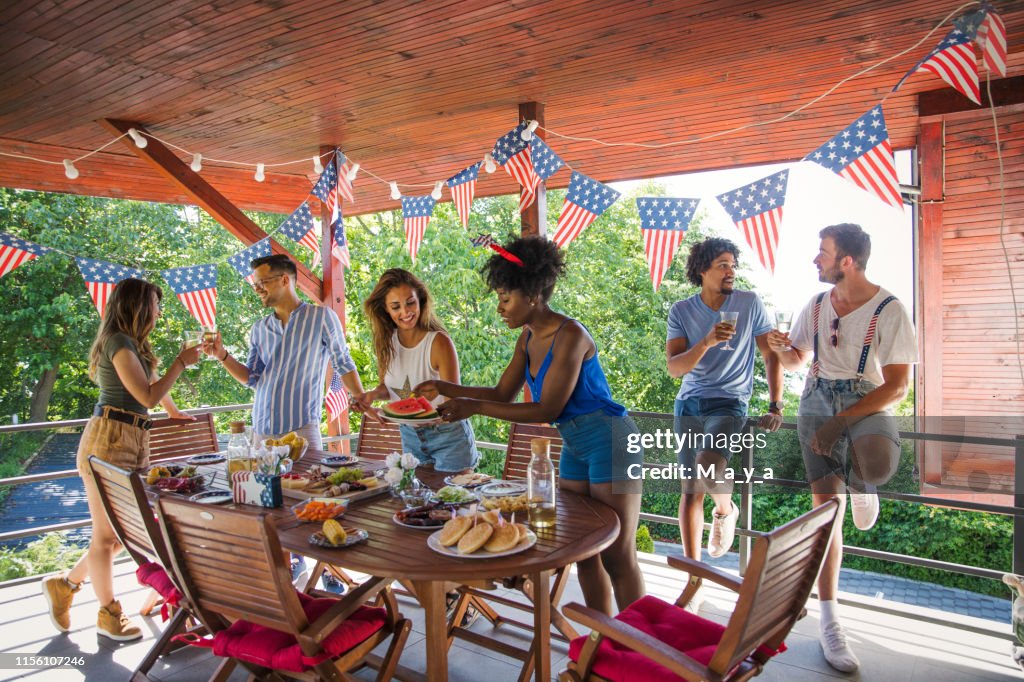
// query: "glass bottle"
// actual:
[[239, 458], [540, 483]]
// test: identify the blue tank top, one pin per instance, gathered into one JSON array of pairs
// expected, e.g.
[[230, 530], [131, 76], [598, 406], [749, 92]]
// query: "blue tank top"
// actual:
[[591, 393]]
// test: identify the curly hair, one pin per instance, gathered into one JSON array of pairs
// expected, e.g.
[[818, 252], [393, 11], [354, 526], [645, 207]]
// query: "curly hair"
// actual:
[[704, 253], [380, 320], [543, 264]]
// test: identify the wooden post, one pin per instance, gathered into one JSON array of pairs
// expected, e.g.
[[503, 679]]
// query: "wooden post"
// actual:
[[534, 219]]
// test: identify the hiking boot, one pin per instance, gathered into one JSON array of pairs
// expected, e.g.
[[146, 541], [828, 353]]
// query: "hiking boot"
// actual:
[[836, 649], [114, 624], [864, 507], [59, 593], [723, 530]]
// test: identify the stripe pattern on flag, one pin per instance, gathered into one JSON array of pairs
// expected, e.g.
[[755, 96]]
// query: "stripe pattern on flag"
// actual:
[[757, 211], [953, 61], [992, 40], [585, 200], [15, 251], [300, 227], [336, 400], [241, 260], [416, 213], [463, 187], [196, 287], [512, 153], [101, 277], [663, 224]]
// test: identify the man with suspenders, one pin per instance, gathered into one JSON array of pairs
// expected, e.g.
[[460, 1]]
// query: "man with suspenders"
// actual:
[[861, 344]]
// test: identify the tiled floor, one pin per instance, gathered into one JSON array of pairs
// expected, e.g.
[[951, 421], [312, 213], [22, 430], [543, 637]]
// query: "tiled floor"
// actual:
[[890, 647]]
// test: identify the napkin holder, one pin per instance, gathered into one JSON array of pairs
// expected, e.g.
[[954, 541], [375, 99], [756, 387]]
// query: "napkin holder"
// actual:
[[262, 490]]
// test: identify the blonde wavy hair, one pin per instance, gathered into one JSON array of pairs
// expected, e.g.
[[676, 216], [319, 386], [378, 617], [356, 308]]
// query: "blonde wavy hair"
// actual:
[[129, 311], [381, 323]]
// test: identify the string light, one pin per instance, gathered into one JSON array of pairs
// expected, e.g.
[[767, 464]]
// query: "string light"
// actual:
[[197, 162], [527, 134], [436, 194], [318, 166], [69, 170], [395, 194], [489, 164], [137, 138], [260, 177], [351, 175]]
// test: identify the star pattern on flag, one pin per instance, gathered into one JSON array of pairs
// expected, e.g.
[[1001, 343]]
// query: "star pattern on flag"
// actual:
[[336, 400], [15, 251], [196, 287], [757, 211], [101, 277], [326, 183], [953, 61], [512, 153], [416, 213], [663, 224], [300, 227], [585, 200], [545, 161], [241, 260], [862, 154], [463, 187]]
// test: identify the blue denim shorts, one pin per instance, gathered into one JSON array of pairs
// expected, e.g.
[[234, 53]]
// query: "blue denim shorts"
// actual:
[[824, 398], [595, 448], [448, 447], [708, 420]]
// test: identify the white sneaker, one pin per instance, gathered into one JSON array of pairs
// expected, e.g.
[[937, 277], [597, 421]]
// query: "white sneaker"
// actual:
[[837, 651], [865, 509], [723, 530]]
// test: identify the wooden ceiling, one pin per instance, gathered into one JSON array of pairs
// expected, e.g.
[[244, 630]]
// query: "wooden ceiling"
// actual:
[[415, 91]]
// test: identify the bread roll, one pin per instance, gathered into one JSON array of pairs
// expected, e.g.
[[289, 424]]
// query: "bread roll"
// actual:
[[503, 538], [522, 530], [475, 538], [490, 517], [454, 529]]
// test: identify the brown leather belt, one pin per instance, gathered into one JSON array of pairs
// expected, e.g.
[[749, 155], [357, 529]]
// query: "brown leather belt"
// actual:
[[121, 416]]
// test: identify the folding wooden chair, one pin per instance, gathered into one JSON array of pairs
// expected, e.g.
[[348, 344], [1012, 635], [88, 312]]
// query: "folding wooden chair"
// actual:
[[170, 438], [230, 565], [783, 567], [132, 520], [377, 440]]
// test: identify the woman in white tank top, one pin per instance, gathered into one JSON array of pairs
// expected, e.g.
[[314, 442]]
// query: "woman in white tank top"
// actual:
[[412, 346]]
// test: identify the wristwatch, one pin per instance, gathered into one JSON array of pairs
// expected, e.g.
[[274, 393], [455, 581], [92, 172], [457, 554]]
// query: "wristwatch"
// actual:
[[776, 406]]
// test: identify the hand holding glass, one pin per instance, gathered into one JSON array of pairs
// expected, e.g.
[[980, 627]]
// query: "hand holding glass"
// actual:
[[191, 339], [728, 318], [784, 322]]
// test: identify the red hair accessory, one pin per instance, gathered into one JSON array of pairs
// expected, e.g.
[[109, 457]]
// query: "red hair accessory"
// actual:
[[492, 243]]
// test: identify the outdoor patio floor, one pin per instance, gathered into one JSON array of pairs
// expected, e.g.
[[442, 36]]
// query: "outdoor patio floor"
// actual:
[[890, 647]]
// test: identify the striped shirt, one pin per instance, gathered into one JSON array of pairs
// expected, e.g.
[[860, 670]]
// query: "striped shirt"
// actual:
[[287, 366]]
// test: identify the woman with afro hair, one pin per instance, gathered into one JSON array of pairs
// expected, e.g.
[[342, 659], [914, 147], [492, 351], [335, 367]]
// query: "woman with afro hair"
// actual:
[[557, 358]]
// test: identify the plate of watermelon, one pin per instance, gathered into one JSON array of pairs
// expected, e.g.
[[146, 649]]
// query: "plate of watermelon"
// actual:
[[416, 411]]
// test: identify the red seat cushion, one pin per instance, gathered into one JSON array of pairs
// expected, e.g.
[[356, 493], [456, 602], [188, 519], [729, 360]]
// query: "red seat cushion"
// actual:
[[679, 629], [153, 575]]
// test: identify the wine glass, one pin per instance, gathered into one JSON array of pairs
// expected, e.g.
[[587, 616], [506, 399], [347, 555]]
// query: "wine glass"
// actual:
[[191, 339], [728, 318], [784, 322], [209, 336]]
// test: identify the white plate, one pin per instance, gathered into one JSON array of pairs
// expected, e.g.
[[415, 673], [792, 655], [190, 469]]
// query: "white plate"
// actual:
[[412, 422], [335, 461], [212, 497], [450, 480], [409, 525], [353, 535], [434, 543], [214, 458], [502, 488]]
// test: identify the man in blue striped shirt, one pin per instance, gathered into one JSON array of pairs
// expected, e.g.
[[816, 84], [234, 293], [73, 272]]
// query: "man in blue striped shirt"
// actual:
[[288, 355]]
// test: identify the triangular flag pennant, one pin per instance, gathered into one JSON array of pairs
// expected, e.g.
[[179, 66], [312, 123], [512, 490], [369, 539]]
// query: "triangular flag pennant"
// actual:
[[953, 61], [101, 277], [463, 187], [862, 154], [340, 248], [991, 37], [241, 260], [512, 153], [344, 184], [545, 161], [301, 228], [336, 399], [196, 288], [585, 199], [416, 212], [663, 223], [15, 251], [757, 211]]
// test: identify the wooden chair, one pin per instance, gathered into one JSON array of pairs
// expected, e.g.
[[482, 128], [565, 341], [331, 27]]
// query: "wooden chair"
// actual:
[[124, 499], [170, 438], [230, 565], [377, 440], [783, 567]]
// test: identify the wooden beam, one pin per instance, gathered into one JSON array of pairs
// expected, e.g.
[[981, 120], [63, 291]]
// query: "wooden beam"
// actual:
[[1005, 91], [165, 162], [534, 219]]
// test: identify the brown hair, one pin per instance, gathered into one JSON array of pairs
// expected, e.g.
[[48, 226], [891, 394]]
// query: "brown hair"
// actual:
[[129, 311], [850, 240], [380, 320]]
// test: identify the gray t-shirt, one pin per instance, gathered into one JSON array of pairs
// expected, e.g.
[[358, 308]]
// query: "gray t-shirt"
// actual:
[[112, 391]]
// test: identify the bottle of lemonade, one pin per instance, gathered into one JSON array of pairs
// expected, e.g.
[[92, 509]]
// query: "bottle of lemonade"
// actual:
[[238, 449], [540, 482]]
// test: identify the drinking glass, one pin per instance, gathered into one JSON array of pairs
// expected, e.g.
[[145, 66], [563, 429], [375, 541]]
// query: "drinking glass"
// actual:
[[209, 336], [729, 318], [190, 339], [784, 322]]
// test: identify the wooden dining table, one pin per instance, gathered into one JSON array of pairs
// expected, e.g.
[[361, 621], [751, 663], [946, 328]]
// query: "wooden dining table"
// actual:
[[583, 528]]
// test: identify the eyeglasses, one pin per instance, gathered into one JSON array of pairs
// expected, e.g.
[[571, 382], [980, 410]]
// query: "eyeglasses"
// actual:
[[262, 283], [835, 333]]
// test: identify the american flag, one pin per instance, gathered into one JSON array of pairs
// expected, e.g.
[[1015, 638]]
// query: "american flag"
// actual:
[[301, 228], [100, 278], [493, 244], [757, 210], [545, 161], [340, 248], [663, 223], [991, 35], [15, 251], [344, 185], [585, 199], [463, 187], [336, 399], [862, 154], [952, 60], [196, 288], [512, 153], [241, 260], [416, 212]]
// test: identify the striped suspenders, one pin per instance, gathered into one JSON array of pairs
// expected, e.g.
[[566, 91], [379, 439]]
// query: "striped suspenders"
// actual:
[[869, 335]]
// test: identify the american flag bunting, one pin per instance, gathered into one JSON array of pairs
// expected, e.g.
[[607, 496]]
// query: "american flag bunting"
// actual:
[[241, 260], [512, 153], [300, 227], [416, 212], [991, 38], [15, 251], [340, 248], [344, 184], [336, 400], [663, 224], [953, 61], [545, 161], [862, 154], [101, 277], [757, 211], [196, 288], [585, 200], [463, 188]]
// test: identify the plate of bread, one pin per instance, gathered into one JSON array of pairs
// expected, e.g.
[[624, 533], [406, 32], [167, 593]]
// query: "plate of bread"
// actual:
[[481, 536]]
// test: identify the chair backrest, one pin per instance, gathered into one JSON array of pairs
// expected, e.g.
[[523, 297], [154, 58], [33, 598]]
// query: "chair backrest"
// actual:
[[128, 509], [230, 565], [377, 440], [517, 456], [783, 567], [179, 437]]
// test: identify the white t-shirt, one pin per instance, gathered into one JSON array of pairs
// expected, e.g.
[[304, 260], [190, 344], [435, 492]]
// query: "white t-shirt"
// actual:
[[410, 367], [894, 342]]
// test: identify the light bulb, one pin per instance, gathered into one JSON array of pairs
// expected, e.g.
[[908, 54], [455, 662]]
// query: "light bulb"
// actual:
[[352, 172], [197, 162], [395, 194], [527, 134], [318, 167], [436, 194], [69, 169], [139, 140], [260, 177], [489, 163]]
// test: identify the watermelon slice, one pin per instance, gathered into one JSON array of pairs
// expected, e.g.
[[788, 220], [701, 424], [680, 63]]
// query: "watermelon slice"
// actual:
[[411, 408]]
